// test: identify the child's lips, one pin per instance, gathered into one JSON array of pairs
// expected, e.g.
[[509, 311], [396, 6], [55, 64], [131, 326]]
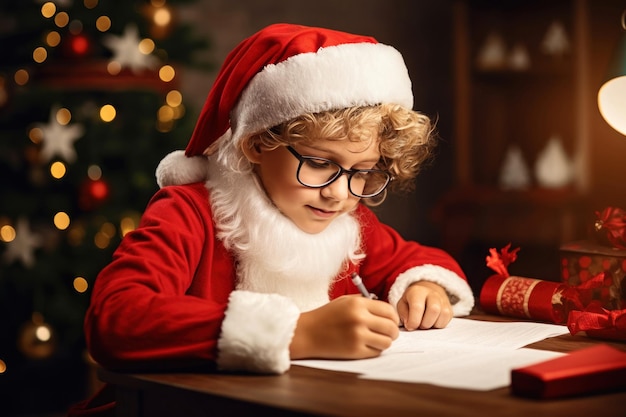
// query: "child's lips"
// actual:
[[321, 212]]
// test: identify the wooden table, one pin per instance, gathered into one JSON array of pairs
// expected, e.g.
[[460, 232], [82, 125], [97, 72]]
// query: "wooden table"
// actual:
[[307, 391]]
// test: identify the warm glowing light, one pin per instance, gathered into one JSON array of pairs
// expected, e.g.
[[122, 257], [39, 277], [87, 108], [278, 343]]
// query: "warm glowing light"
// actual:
[[43, 333], [179, 111], [21, 77], [174, 98], [94, 172], [612, 103], [53, 38], [167, 73], [90, 4], [157, 3], [108, 229], [101, 240], [146, 46], [80, 284], [103, 23], [7, 233], [127, 224], [35, 135], [62, 19], [58, 170], [107, 113], [166, 113], [40, 54], [3, 366], [61, 220], [63, 116], [162, 16], [114, 68], [48, 9]]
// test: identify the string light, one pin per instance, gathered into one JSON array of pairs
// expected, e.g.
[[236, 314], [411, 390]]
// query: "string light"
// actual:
[[7, 233], [35, 135], [162, 17], [53, 38], [3, 366], [80, 284], [146, 46], [63, 116], [174, 98], [127, 224], [103, 23], [21, 77], [48, 9], [94, 172], [61, 220], [62, 19], [114, 67], [58, 170], [40, 54], [167, 73], [107, 113], [90, 4]]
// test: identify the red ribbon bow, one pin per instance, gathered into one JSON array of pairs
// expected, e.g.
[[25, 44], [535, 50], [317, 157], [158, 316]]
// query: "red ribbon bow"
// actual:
[[598, 322], [612, 220]]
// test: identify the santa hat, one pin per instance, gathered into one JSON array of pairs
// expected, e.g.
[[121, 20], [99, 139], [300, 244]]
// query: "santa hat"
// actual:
[[286, 70]]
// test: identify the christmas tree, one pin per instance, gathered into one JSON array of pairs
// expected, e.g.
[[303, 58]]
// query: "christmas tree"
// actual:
[[89, 104]]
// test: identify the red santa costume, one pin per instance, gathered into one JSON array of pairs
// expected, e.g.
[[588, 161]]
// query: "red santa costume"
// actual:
[[215, 273]]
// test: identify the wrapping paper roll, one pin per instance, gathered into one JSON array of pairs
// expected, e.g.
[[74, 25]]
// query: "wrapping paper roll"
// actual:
[[524, 297]]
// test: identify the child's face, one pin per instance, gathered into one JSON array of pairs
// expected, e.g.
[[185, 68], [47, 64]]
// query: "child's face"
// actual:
[[313, 209]]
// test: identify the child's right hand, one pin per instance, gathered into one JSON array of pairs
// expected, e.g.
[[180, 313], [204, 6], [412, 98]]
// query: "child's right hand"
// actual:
[[349, 327]]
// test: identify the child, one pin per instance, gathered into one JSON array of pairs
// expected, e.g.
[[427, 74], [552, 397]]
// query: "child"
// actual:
[[244, 257]]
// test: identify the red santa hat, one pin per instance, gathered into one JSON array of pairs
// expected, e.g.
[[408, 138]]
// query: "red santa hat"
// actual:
[[286, 70]]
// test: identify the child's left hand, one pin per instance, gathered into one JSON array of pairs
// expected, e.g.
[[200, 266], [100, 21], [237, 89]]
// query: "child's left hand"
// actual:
[[424, 305]]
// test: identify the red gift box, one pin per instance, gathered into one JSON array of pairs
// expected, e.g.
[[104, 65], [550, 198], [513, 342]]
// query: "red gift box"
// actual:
[[591, 370], [598, 271]]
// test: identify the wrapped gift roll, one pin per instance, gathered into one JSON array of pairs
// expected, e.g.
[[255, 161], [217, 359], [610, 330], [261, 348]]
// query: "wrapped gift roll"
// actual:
[[524, 297]]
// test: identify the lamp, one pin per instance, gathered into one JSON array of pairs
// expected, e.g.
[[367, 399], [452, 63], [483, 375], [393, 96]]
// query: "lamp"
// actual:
[[612, 94]]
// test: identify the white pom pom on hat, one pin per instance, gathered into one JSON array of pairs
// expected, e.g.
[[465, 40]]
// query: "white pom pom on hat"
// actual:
[[284, 71]]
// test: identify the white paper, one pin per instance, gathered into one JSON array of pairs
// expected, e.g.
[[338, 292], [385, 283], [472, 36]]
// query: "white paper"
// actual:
[[467, 354]]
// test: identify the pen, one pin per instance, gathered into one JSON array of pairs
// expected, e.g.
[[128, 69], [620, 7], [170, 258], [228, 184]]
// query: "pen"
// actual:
[[358, 282]]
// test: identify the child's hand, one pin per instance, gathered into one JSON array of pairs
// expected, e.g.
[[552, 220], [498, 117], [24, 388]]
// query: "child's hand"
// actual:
[[424, 305], [349, 327]]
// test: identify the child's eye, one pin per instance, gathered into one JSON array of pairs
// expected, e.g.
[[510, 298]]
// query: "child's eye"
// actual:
[[319, 163]]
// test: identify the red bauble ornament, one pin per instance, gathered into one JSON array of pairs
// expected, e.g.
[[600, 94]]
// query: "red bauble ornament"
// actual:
[[93, 193]]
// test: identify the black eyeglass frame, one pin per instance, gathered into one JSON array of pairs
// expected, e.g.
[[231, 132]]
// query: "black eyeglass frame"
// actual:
[[350, 172]]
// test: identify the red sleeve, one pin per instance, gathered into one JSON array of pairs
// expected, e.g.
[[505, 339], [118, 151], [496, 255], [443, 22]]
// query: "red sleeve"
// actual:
[[158, 301], [388, 254]]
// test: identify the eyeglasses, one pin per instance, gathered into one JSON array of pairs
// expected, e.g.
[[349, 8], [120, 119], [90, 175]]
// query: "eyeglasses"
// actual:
[[315, 172]]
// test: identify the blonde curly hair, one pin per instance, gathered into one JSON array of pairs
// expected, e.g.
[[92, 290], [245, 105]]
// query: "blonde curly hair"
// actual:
[[406, 138]]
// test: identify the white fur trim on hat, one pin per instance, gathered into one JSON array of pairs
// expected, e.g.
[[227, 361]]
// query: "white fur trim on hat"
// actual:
[[176, 169], [257, 332], [458, 289], [335, 77]]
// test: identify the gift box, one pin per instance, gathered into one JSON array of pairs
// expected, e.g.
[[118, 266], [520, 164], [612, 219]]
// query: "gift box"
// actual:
[[597, 271], [600, 368]]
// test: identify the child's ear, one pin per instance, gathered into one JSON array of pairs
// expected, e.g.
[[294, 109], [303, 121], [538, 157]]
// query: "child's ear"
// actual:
[[252, 150]]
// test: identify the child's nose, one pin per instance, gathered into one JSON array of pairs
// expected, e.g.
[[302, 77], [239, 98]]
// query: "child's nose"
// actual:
[[338, 189]]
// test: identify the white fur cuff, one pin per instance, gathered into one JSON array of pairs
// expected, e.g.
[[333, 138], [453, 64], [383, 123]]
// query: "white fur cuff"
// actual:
[[257, 332], [458, 289]]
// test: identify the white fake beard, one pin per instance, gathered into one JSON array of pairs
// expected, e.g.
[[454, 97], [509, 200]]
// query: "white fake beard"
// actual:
[[273, 254]]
